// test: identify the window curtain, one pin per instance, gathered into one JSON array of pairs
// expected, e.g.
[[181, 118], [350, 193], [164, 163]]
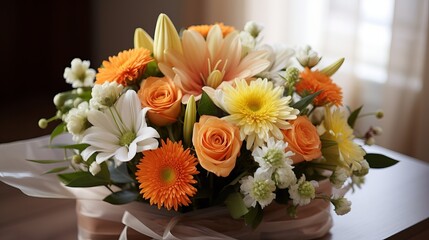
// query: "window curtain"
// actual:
[[385, 46]]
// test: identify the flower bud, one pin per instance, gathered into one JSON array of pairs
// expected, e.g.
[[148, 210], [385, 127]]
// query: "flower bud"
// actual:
[[43, 123], [333, 68], [142, 40], [342, 205], [166, 37], [59, 99], [94, 168], [370, 141], [253, 28], [377, 130], [291, 76], [190, 118], [307, 57], [379, 114], [215, 79]]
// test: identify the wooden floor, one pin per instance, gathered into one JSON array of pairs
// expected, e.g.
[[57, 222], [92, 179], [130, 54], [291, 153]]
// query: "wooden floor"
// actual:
[[24, 217]]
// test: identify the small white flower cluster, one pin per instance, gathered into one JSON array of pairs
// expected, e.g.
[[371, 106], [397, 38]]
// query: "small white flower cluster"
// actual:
[[77, 121], [105, 95], [303, 191], [275, 169], [341, 204], [79, 74]]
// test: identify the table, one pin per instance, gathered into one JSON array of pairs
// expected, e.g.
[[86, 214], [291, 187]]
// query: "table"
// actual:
[[393, 203]]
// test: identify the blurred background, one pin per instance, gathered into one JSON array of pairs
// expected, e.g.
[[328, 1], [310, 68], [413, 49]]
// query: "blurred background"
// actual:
[[385, 44]]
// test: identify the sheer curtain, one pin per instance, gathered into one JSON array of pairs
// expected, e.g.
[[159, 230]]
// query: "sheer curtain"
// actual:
[[385, 46]]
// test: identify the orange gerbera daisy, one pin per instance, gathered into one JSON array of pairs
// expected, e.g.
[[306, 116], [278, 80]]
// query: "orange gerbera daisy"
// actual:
[[314, 81], [125, 68], [166, 175], [204, 29]]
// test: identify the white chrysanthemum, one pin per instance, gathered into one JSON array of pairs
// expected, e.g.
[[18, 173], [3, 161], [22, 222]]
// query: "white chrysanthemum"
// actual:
[[284, 177], [339, 177], [120, 131], [273, 155], [79, 74], [341, 204], [258, 190], [105, 95], [76, 120], [280, 58], [307, 57], [303, 192]]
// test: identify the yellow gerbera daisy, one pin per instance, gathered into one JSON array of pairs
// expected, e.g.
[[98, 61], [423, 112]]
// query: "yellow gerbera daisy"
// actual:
[[166, 175], [125, 68], [259, 109], [347, 152]]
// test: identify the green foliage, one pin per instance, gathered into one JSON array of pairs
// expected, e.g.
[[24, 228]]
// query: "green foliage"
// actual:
[[254, 217], [46, 161], [353, 116], [235, 204], [121, 197], [79, 147], [56, 170], [206, 106], [305, 101], [61, 128], [379, 161], [120, 174], [86, 179]]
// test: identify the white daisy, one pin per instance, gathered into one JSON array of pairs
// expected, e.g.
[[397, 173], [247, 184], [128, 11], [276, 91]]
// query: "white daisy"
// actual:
[[79, 75], [259, 189], [273, 155], [105, 95], [303, 191], [120, 131]]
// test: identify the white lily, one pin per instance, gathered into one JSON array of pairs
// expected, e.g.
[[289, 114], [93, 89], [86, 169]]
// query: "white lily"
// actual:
[[120, 131]]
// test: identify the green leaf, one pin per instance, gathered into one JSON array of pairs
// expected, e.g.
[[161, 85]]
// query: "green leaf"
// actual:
[[121, 197], [46, 161], [79, 147], [235, 204], [305, 101], [254, 217], [57, 170], [353, 116], [82, 179], [206, 106], [379, 160], [328, 143], [120, 174], [61, 128]]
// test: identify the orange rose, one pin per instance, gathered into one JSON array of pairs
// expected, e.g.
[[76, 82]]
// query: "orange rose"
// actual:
[[303, 140], [164, 99], [217, 144]]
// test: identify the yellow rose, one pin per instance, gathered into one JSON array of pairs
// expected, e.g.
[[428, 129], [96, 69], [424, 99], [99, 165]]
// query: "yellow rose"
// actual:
[[164, 99], [217, 144], [303, 140]]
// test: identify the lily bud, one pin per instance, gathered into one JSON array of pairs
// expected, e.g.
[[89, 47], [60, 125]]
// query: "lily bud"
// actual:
[[166, 37], [142, 40], [331, 69], [190, 118], [215, 79]]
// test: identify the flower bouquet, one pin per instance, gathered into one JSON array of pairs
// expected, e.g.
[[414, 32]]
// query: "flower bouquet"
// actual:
[[210, 132]]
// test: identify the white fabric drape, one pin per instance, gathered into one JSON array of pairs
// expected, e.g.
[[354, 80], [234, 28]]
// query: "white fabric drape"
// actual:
[[384, 43]]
